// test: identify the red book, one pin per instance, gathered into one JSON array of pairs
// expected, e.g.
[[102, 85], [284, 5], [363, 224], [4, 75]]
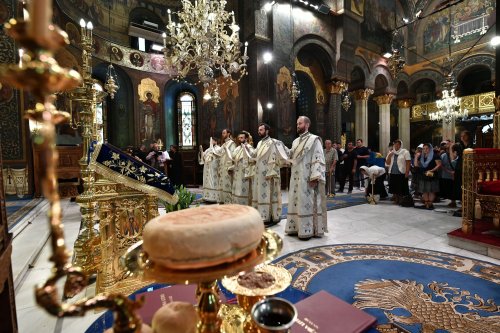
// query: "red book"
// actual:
[[325, 313], [153, 300]]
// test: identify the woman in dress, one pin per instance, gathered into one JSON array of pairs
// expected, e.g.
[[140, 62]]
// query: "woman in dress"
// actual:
[[428, 163]]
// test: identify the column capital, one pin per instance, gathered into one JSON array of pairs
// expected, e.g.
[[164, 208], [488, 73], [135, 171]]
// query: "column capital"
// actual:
[[337, 87], [405, 103], [384, 99], [362, 94]]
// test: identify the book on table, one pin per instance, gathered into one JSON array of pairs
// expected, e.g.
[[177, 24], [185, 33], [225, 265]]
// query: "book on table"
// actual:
[[325, 313]]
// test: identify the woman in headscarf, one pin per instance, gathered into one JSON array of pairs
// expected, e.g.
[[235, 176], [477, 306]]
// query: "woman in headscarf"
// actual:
[[376, 177], [429, 163], [399, 161]]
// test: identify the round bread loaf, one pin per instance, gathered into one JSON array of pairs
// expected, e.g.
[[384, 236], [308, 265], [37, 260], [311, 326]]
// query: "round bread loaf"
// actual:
[[175, 317], [203, 236]]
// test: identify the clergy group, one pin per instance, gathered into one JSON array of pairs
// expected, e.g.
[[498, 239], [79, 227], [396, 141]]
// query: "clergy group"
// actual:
[[236, 172]]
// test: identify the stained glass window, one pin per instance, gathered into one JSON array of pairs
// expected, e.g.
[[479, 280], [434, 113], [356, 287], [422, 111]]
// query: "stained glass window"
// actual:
[[186, 115]]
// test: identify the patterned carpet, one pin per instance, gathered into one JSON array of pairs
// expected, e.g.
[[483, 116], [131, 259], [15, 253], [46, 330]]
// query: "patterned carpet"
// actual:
[[17, 208], [406, 289], [340, 201]]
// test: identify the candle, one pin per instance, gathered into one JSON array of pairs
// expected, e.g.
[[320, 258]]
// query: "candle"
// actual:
[[246, 45], [90, 27], [164, 36], [169, 17], [232, 14], [40, 12]]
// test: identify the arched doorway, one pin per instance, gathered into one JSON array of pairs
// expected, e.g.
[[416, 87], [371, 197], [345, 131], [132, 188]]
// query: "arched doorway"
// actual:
[[305, 105], [475, 80]]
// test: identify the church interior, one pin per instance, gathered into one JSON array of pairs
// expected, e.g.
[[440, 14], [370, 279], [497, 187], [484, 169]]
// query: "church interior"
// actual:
[[117, 117]]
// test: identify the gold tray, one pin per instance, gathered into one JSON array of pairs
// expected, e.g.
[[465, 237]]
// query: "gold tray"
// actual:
[[282, 279], [136, 262]]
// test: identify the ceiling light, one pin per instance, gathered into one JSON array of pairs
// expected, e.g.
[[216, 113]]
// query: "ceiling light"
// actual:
[[269, 6], [405, 20], [207, 96], [156, 47], [495, 41], [269, 105], [387, 55], [268, 57]]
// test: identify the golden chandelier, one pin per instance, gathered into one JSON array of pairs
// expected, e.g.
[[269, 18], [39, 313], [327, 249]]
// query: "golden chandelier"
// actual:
[[205, 40]]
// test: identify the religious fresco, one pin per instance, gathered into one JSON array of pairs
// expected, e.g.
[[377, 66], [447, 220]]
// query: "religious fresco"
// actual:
[[149, 110], [358, 7], [469, 20], [224, 115], [284, 103], [379, 20]]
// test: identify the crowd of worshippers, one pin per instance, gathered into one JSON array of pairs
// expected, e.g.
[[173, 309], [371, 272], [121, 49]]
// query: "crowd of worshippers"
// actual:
[[169, 162], [236, 172]]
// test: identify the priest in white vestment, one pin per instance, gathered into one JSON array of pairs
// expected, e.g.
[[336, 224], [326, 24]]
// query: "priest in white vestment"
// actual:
[[306, 197], [241, 170], [210, 164], [269, 156], [225, 155]]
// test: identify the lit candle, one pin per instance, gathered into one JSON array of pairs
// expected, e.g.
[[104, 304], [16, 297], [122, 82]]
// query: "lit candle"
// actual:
[[40, 12], [169, 16], [232, 14], [164, 36], [90, 27], [246, 45]]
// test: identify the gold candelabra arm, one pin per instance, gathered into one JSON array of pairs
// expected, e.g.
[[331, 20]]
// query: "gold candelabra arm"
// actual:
[[40, 74]]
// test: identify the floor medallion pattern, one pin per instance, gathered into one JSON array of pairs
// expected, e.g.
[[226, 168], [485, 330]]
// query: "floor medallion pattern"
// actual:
[[407, 289]]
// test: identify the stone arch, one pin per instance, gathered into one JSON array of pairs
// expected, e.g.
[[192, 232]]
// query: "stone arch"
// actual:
[[381, 70], [357, 78], [433, 75], [484, 60], [361, 63], [324, 52]]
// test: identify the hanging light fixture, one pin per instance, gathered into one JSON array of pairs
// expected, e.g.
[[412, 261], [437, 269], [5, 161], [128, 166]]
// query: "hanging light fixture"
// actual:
[[294, 90], [449, 104], [395, 61], [111, 84], [205, 41], [346, 100]]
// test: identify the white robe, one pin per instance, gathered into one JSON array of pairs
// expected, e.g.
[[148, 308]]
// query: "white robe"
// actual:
[[307, 205], [241, 190], [225, 179], [210, 163], [266, 179]]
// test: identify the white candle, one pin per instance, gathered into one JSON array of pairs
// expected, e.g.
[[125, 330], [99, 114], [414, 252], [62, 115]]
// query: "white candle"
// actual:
[[90, 27], [169, 17], [40, 12], [246, 45], [164, 36], [232, 14]]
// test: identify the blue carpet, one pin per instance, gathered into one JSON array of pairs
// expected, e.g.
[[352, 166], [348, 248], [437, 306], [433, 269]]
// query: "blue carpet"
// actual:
[[417, 290], [402, 287], [337, 202], [17, 208]]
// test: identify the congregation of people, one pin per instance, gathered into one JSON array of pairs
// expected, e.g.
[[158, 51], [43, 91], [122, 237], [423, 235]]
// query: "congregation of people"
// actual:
[[235, 171]]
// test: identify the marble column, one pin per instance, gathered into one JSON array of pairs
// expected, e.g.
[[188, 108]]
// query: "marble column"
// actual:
[[384, 108], [334, 119], [361, 114], [404, 106], [448, 130]]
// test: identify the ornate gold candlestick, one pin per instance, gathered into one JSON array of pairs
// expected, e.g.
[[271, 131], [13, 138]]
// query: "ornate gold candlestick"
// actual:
[[39, 73], [87, 249]]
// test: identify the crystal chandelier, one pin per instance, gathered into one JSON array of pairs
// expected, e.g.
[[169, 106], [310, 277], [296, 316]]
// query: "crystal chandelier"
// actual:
[[395, 63], [111, 85], [449, 105], [205, 40], [346, 101], [294, 90]]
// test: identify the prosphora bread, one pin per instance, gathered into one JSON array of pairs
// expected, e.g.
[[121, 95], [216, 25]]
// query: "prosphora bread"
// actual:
[[203, 236], [175, 317]]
